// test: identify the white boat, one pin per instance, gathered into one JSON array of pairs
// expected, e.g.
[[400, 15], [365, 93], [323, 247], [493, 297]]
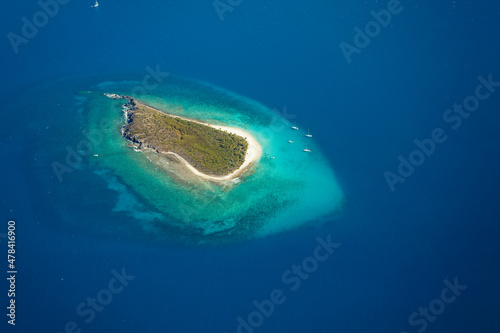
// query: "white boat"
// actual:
[[294, 127], [95, 5], [308, 135], [306, 150], [290, 141]]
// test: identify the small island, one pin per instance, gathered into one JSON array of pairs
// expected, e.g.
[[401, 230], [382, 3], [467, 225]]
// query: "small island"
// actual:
[[216, 153]]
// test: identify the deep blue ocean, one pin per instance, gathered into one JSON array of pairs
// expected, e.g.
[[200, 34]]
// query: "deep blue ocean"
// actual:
[[424, 257]]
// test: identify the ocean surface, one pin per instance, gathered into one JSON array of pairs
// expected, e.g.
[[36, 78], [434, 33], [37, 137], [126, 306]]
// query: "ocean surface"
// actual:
[[395, 228]]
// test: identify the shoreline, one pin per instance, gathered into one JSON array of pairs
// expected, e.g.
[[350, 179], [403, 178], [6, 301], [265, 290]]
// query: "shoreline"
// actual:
[[253, 153]]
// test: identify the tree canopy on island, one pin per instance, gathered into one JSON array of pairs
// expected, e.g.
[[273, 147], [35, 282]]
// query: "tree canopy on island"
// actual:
[[209, 150]]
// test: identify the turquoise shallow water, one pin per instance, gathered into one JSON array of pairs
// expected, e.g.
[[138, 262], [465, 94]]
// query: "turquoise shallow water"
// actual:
[[86, 147], [397, 248]]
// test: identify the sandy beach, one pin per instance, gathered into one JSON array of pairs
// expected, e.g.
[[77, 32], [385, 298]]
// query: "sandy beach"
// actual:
[[253, 154]]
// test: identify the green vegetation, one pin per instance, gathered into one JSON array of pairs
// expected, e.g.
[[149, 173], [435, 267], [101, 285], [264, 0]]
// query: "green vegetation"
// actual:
[[209, 150]]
